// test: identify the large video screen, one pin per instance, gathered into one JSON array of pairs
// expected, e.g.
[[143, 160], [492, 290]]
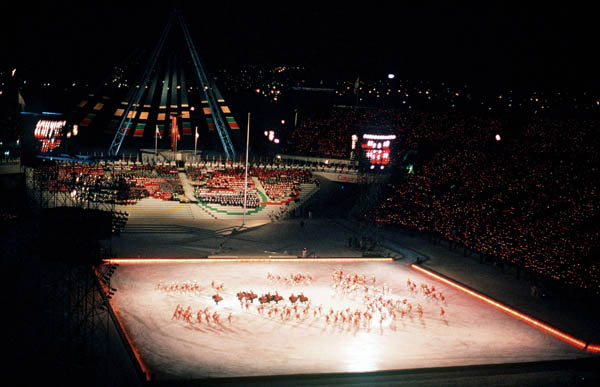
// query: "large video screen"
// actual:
[[376, 149], [49, 133]]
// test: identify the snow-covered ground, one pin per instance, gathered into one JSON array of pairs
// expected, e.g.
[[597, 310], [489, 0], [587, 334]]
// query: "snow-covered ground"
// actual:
[[254, 343]]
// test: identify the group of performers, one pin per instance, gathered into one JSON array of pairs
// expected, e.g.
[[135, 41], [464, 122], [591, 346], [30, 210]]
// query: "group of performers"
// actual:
[[353, 284], [290, 312], [429, 292], [293, 279], [201, 315], [185, 287], [378, 302]]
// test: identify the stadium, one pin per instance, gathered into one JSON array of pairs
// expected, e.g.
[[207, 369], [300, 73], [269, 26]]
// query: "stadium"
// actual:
[[178, 223]]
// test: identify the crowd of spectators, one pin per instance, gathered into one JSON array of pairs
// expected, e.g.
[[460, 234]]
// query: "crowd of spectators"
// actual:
[[145, 180], [534, 203], [83, 182], [119, 184], [226, 186], [282, 183], [329, 134], [529, 197]]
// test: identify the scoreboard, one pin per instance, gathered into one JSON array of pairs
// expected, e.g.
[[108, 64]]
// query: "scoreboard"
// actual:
[[376, 150]]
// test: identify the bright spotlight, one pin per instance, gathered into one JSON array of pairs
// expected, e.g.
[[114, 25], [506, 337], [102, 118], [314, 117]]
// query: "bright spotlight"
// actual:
[[498, 138], [391, 76]]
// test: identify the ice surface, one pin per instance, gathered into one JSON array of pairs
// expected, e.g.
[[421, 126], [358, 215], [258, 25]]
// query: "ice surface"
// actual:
[[253, 343]]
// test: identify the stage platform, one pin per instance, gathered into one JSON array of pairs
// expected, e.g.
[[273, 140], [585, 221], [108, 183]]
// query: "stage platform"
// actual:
[[247, 342]]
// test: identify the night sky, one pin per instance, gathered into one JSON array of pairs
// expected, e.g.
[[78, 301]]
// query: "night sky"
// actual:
[[496, 45]]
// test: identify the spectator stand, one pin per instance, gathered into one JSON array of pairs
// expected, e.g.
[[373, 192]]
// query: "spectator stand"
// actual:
[[271, 191]]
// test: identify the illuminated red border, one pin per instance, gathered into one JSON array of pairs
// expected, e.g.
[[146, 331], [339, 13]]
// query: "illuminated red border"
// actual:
[[131, 344], [115, 313], [238, 259], [529, 320]]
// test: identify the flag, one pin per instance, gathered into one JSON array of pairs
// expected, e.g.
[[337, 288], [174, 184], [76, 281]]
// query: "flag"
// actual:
[[157, 133], [356, 84]]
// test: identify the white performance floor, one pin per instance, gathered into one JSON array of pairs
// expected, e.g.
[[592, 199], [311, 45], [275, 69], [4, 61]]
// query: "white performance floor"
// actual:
[[249, 342]]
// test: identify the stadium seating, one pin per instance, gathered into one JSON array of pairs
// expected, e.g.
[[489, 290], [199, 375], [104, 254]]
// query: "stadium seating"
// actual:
[[530, 199]]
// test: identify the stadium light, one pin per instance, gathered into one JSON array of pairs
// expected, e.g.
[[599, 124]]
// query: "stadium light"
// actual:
[[391, 76], [498, 138], [276, 141]]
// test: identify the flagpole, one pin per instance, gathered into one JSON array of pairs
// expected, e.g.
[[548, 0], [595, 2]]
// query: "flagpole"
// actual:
[[156, 141], [246, 177]]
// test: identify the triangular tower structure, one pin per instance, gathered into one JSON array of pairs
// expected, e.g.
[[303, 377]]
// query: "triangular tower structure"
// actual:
[[163, 89]]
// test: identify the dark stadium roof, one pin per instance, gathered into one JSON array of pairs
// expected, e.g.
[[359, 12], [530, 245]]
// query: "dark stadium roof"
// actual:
[[498, 43]]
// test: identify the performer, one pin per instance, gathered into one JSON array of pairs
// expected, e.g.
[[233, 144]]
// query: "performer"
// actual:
[[187, 314], [177, 312]]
